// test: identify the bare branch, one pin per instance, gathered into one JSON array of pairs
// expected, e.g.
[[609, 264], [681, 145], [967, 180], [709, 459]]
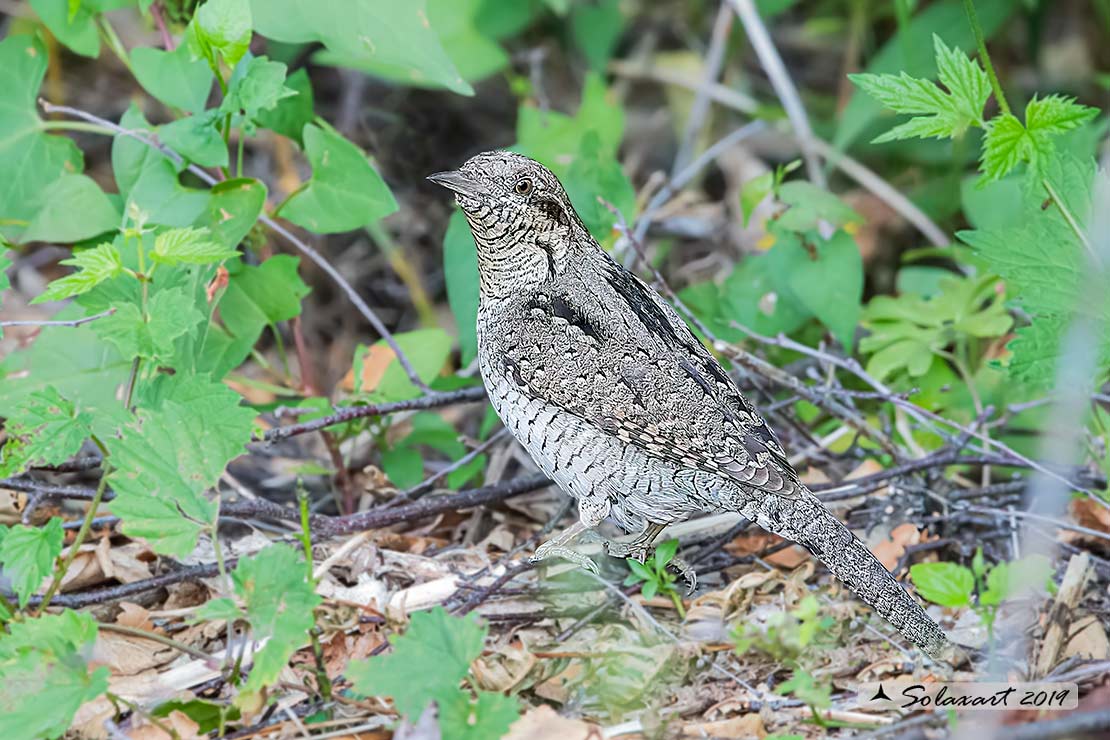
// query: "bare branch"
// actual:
[[55, 322]]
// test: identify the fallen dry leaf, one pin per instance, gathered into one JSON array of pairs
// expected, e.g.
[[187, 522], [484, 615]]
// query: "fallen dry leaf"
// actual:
[[891, 550], [1088, 640], [543, 723], [735, 728]]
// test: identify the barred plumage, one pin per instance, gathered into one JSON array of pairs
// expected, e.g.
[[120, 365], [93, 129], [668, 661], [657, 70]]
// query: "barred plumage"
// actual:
[[618, 402]]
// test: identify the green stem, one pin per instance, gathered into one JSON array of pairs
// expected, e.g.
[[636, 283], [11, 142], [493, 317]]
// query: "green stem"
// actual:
[[114, 43], [323, 683], [981, 42], [63, 566], [136, 709], [90, 128], [9, 608], [1072, 222], [239, 154]]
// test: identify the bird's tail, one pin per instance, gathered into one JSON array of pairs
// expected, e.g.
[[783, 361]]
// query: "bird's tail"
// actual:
[[806, 521]]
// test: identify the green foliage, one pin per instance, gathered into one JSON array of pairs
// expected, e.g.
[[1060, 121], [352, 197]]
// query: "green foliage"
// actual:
[[654, 575], [167, 457], [278, 602], [28, 554], [938, 113], [345, 191], [175, 77], [426, 665], [909, 330], [44, 674], [221, 29], [1009, 143], [426, 349], [983, 589], [45, 429], [404, 464], [40, 158]]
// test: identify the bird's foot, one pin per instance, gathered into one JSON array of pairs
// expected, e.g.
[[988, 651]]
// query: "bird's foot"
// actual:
[[556, 549], [686, 572]]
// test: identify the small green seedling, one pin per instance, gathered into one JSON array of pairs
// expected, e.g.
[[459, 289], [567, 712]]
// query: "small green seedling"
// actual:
[[655, 576], [979, 587]]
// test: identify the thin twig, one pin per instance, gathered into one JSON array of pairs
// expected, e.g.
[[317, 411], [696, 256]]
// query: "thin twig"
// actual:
[[55, 322], [783, 85], [431, 400], [714, 60]]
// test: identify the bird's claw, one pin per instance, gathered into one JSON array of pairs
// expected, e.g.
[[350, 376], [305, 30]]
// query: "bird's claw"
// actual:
[[686, 572], [554, 550]]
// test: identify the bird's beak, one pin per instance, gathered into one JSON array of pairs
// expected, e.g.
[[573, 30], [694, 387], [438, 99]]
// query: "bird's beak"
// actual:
[[455, 180]]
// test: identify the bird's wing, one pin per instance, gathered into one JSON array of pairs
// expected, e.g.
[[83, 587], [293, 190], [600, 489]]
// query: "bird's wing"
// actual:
[[614, 353]]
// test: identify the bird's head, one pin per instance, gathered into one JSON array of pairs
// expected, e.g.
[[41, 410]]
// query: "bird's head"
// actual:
[[523, 223]]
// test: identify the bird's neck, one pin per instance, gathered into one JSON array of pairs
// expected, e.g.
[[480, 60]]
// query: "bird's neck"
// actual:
[[535, 260]]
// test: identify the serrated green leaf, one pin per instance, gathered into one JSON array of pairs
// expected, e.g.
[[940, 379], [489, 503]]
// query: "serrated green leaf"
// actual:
[[44, 674], [74, 208], [278, 601], [221, 27], [45, 429], [484, 719], [426, 663], [28, 555], [257, 85], [94, 266], [947, 584], [966, 81], [39, 158], [167, 458], [345, 192], [176, 78], [189, 245], [397, 38], [197, 138], [170, 313], [1008, 142]]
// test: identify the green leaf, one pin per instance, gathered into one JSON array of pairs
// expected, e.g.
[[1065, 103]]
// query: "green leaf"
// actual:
[[1008, 142], [292, 113], [45, 429], [555, 139], [28, 555], [460, 269], [175, 78], [426, 349], [39, 158], [167, 458], [257, 85], [44, 674], [278, 601], [404, 466], [487, 718], [753, 296], [197, 138], [639, 571], [596, 28], [272, 291], [76, 29], [189, 246], [345, 192], [753, 192], [395, 38], [149, 179], [170, 313], [912, 51], [938, 114], [947, 584], [94, 266], [665, 552], [809, 205], [233, 209], [221, 27], [595, 173], [832, 285], [75, 208], [426, 664], [75, 361]]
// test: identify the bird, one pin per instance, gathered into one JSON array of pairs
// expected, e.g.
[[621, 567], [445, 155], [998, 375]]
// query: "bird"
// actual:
[[619, 403]]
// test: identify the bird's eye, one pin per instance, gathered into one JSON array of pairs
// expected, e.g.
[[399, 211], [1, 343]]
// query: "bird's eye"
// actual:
[[523, 186]]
